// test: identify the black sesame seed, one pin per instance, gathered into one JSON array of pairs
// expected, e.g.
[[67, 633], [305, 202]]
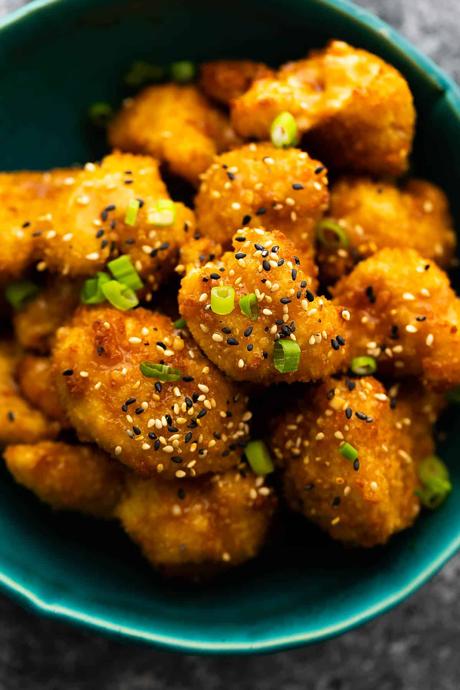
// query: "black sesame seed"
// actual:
[[248, 331], [230, 176], [137, 431], [240, 255], [348, 413], [250, 347], [245, 221], [139, 410], [181, 493], [285, 300], [232, 341], [11, 416], [187, 379], [294, 274], [260, 211], [335, 344], [280, 262], [177, 459], [67, 372], [297, 186], [215, 276], [330, 393], [158, 387], [202, 413], [319, 169], [340, 339], [370, 294], [188, 437], [242, 239], [266, 265], [356, 465], [157, 444], [309, 295]]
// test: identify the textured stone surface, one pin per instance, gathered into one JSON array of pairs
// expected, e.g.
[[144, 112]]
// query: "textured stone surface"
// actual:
[[414, 647]]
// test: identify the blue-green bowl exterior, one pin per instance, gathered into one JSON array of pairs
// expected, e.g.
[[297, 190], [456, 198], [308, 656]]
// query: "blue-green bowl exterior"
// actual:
[[56, 57]]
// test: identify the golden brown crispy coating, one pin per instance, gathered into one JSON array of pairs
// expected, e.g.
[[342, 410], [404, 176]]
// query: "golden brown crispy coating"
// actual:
[[265, 264], [37, 322], [224, 80], [180, 428], [37, 383], [356, 108], [25, 201], [359, 502], [19, 421], [191, 527], [259, 185], [177, 125], [378, 214], [81, 478], [197, 252], [404, 314], [94, 207]]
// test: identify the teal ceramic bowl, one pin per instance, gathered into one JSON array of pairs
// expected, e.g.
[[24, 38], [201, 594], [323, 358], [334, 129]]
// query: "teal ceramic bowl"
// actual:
[[56, 57]]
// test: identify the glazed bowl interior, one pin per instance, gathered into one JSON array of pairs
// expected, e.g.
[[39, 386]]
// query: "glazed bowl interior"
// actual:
[[55, 59]]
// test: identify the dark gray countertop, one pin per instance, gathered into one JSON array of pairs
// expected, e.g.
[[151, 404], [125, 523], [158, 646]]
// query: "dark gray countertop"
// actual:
[[415, 647]]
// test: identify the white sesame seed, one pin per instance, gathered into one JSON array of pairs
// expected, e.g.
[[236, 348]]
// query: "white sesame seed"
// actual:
[[93, 256], [84, 374], [217, 337], [134, 340], [381, 396], [345, 314], [117, 450], [410, 328], [429, 339], [241, 363]]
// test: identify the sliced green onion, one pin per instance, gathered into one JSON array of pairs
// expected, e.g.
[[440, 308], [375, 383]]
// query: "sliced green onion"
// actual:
[[283, 131], [180, 323], [250, 306], [363, 366], [132, 211], [123, 270], [161, 372], [348, 451], [20, 292], [119, 295], [100, 113], [222, 300], [91, 292], [435, 481], [182, 71], [162, 213], [141, 73], [258, 457], [331, 235], [286, 355]]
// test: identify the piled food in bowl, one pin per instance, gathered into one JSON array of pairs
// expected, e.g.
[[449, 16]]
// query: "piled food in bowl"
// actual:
[[311, 268]]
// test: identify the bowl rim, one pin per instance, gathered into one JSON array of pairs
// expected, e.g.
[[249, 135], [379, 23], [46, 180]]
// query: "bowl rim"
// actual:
[[24, 595]]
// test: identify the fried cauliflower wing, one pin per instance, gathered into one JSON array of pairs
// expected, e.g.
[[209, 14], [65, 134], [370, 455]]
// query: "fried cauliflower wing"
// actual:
[[88, 222], [37, 383], [225, 80], [258, 185], [405, 315], [19, 421], [263, 264], [37, 322], [80, 478], [379, 214], [181, 428], [177, 125], [25, 201], [362, 501], [355, 109], [192, 527]]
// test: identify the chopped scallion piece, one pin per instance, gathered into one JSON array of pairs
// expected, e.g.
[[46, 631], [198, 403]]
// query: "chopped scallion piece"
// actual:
[[183, 71], [100, 113], [132, 211], [283, 131], [119, 295], [91, 292], [331, 235], [160, 372], [222, 300], [162, 213], [249, 306], [363, 366], [348, 451], [20, 292], [180, 323], [286, 355], [141, 73], [258, 456], [435, 481], [124, 272]]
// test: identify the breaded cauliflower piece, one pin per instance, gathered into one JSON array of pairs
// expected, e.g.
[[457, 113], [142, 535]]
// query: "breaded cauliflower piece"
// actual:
[[95, 207], [80, 478], [37, 383], [177, 125], [356, 109], [19, 421], [225, 80], [363, 501], [379, 214], [265, 265], [405, 315], [25, 201], [193, 527], [36, 323], [259, 185], [179, 428]]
